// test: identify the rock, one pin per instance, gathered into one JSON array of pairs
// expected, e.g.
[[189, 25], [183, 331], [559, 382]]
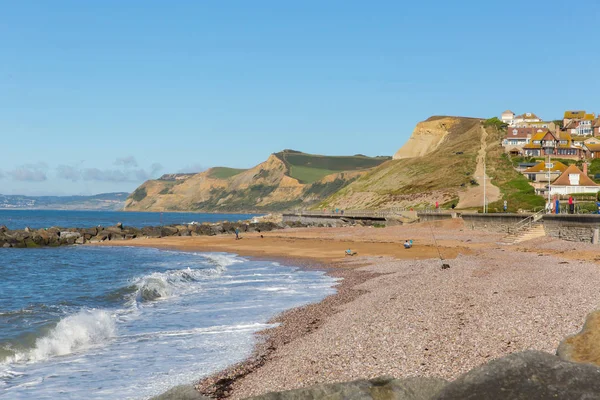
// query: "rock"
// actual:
[[168, 231], [6, 245], [70, 235], [183, 392], [529, 375], [3, 228], [584, 346], [382, 388], [80, 240], [151, 231]]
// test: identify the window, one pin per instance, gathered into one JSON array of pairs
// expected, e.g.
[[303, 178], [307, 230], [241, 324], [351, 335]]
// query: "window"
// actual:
[[574, 179]]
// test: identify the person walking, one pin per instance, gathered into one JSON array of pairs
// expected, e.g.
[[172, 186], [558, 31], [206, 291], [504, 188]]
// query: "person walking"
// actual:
[[437, 207], [505, 205], [237, 233], [571, 205]]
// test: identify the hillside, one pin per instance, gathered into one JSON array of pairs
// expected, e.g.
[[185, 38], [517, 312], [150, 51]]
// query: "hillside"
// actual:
[[285, 180], [436, 164], [103, 201], [443, 161]]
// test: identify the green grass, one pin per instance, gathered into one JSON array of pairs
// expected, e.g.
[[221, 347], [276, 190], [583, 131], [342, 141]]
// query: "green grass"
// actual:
[[309, 175], [309, 168], [515, 188], [224, 172], [139, 194]]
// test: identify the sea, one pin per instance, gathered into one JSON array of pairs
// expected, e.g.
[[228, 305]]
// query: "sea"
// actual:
[[130, 323]]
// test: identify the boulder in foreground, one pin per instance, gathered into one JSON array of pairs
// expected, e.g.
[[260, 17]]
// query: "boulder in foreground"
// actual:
[[530, 375], [383, 388]]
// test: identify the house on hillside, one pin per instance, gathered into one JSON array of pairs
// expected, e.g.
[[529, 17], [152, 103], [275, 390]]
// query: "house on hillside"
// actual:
[[592, 150], [507, 117], [525, 118], [516, 138], [579, 123], [560, 144], [572, 115], [596, 127], [540, 174], [581, 127], [573, 180]]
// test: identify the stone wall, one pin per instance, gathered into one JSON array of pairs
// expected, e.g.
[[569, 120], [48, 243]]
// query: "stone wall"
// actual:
[[330, 220], [426, 217], [574, 228], [503, 223]]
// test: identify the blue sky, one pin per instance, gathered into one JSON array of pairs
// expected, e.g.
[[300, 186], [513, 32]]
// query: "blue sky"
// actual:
[[99, 96]]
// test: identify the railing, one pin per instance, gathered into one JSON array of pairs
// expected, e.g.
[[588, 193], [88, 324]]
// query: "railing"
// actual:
[[527, 222], [349, 213]]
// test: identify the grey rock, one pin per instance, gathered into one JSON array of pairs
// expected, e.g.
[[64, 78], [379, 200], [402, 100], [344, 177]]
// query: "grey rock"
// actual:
[[530, 375], [183, 392], [382, 388], [70, 235], [6, 245]]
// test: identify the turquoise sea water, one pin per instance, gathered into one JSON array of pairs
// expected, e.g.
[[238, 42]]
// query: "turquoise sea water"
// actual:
[[129, 323]]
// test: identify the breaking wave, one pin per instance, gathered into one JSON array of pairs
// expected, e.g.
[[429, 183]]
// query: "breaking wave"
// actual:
[[76, 332], [161, 285]]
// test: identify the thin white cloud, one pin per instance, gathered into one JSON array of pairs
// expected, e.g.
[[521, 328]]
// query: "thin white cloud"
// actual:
[[69, 172], [29, 172], [124, 174], [127, 162]]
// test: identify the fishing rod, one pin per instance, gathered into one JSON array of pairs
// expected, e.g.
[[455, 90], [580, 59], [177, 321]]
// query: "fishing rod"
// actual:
[[444, 265]]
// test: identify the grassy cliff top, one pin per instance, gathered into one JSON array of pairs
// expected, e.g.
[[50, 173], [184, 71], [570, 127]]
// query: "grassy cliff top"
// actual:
[[224, 172], [309, 168]]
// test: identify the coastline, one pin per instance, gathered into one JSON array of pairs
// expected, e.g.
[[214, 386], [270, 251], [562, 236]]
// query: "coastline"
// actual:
[[398, 313]]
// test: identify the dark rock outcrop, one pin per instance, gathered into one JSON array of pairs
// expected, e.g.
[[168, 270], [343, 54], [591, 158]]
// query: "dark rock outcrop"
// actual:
[[56, 236], [529, 375], [383, 388], [183, 392]]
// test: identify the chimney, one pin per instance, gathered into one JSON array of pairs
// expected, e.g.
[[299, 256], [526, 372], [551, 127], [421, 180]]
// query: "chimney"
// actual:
[[585, 169]]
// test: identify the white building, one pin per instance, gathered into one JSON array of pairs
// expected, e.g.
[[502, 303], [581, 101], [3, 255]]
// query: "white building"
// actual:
[[507, 117], [574, 181], [527, 117]]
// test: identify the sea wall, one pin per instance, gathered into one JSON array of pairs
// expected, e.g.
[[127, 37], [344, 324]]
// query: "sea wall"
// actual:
[[331, 220], [574, 228], [57, 236], [427, 217], [502, 223]]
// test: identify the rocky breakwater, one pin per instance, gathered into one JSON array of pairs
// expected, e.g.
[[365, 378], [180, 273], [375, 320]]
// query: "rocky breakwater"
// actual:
[[56, 236]]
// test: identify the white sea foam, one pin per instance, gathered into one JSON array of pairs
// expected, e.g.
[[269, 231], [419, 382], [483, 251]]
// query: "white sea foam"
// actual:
[[76, 332]]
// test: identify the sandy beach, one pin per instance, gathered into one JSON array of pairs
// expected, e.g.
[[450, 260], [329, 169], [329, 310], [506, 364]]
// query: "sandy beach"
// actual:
[[397, 312]]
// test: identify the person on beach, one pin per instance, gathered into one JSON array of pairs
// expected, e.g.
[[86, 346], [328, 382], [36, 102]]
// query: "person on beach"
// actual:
[[437, 206], [407, 244], [237, 233], [571, 205]]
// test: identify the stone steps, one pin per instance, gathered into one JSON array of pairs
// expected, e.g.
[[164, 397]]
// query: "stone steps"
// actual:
[[533, 232]]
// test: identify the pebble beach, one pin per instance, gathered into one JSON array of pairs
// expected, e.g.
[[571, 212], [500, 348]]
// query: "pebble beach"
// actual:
[[399, 313]]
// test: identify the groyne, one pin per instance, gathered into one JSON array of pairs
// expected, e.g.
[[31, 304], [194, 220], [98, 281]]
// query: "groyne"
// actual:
[[57, 236]]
